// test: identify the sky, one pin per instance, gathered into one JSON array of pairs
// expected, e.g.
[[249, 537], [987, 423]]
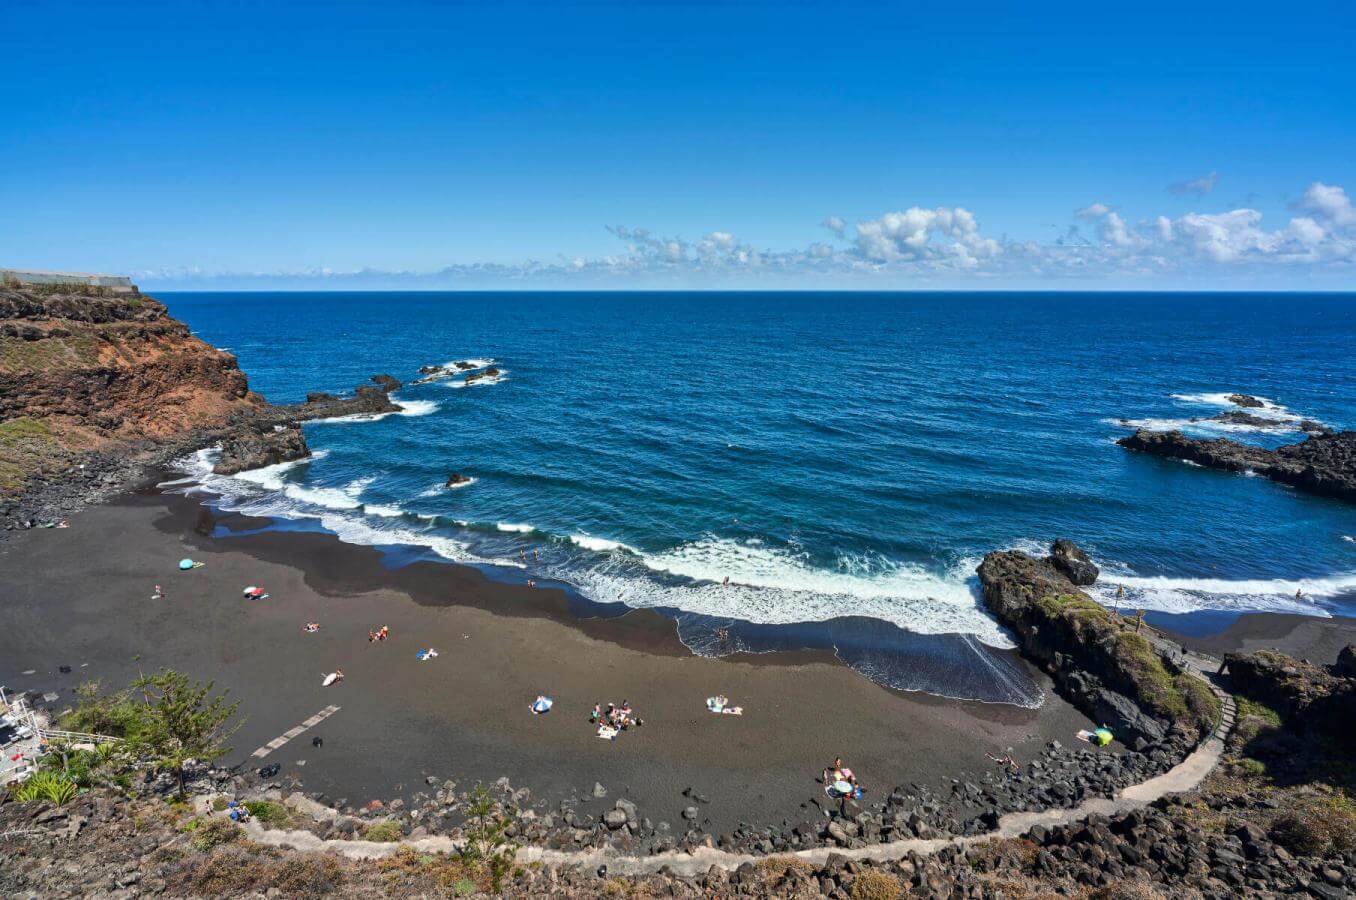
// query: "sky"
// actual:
[[682, 145]]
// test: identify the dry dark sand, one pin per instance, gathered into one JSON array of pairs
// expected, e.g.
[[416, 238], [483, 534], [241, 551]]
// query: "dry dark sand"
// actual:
[[81, 597]]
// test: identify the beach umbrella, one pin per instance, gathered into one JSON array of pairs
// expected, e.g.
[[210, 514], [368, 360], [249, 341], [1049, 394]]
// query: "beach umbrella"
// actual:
[[185, 563], [542, 704]]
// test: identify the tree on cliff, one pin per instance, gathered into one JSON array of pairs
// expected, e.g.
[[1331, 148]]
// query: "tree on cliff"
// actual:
[[179, 721]]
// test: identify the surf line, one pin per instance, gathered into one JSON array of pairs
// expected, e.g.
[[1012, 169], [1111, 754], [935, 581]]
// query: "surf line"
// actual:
[[293, 732]]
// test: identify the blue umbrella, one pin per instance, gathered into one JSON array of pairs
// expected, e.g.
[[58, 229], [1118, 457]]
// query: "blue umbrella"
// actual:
[[185, 563]]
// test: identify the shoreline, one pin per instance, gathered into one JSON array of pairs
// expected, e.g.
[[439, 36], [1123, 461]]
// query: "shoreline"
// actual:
[[464, 715]]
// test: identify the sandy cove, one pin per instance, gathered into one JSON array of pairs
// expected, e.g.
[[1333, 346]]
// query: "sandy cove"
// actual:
[[80, 597]]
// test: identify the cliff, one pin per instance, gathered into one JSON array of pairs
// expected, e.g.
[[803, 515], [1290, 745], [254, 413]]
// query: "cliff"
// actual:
[[83, 369], [96, 384], [1322, 464]]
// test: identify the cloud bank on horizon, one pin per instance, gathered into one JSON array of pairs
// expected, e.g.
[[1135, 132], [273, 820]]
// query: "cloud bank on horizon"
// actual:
[[915, 247]]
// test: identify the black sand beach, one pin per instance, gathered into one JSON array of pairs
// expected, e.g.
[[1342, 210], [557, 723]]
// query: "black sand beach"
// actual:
[[80, 597]]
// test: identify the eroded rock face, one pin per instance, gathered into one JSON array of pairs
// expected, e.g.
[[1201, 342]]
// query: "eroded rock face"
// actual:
[[387, 383], [455, 479], [1322, 464], [101, 370], [255, 448], [1245, 400], [1070, 559]]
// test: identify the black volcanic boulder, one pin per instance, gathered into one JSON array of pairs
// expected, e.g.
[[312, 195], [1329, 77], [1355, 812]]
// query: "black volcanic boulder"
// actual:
[[455, 479], [386, 383], [1346, 662], [1070, 559], [430, 370], [321, 397], [1238, 417], [1245, 400], [254, 448], [491, 372], [1309, 426], [463, 365]]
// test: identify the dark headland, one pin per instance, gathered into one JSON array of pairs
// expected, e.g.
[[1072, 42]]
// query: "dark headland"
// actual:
[[99, 387]]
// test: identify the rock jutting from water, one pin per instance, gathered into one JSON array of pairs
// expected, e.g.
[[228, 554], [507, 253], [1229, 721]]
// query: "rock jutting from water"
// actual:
[[1108, 669], [1322, 464]]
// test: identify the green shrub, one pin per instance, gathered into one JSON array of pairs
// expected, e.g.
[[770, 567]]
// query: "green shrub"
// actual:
[[385, 831], [1254, 768], [268, 812], [54, 787]]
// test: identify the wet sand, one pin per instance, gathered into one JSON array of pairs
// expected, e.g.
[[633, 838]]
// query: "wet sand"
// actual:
[[1304, 637], [81, 597]]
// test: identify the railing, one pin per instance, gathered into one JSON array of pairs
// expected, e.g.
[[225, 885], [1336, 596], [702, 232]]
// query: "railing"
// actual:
[[76, 737]]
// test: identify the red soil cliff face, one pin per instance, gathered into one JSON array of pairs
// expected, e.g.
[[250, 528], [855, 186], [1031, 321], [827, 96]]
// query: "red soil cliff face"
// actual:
[[83, 369], [114, 367]]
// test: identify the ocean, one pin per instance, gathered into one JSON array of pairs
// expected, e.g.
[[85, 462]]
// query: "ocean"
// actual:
[[843, 459]]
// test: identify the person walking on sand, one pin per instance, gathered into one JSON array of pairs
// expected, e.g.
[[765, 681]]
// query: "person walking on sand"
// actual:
[[159, 593]]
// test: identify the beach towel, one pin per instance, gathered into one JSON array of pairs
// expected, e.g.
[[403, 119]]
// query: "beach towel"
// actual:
[[608, 733], [425, 655], [542, 705], [720, 705]]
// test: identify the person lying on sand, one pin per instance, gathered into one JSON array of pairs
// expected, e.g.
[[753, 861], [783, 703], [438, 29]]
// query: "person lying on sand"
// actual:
[[1005, 761], [721, 704], [333, 678], [311, 627], [159, 593]]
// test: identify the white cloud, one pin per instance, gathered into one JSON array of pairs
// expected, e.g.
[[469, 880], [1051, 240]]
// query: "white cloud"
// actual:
[[916, 246], [1330, 202], [1198, 186], [918, 234]]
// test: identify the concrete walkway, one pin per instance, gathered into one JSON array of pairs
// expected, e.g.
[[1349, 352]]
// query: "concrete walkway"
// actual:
[[1185, 776]]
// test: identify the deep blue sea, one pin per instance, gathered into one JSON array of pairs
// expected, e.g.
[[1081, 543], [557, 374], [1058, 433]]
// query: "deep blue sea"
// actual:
[[843, 459]]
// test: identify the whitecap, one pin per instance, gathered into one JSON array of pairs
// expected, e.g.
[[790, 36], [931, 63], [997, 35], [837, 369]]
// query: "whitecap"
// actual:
[[601, 545], [387, 512], [515, 527]]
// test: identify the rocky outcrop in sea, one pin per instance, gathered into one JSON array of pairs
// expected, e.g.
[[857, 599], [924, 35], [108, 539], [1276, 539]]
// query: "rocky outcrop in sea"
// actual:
[[1102, 662], [1322, 464]]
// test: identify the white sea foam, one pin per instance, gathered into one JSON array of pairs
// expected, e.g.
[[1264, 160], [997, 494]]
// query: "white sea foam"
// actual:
[[1181, 595], [515, 527], [407, 408], [1349, 538], [776, 587], [338, 509], [602, 545], [387, 512], [493, 379]]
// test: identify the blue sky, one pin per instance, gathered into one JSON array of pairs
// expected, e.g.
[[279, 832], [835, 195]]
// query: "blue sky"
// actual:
[[681, 144]]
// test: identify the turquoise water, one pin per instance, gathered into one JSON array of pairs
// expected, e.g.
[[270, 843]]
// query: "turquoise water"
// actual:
[[843, 459]]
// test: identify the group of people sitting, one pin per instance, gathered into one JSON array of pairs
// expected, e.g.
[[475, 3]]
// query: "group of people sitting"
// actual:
[[721, 704], [612, 719], [379, 635]]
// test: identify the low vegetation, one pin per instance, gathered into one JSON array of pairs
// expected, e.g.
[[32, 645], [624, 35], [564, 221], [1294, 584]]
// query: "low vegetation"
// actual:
[[385, 831], [1176, 695], [871, 884]]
